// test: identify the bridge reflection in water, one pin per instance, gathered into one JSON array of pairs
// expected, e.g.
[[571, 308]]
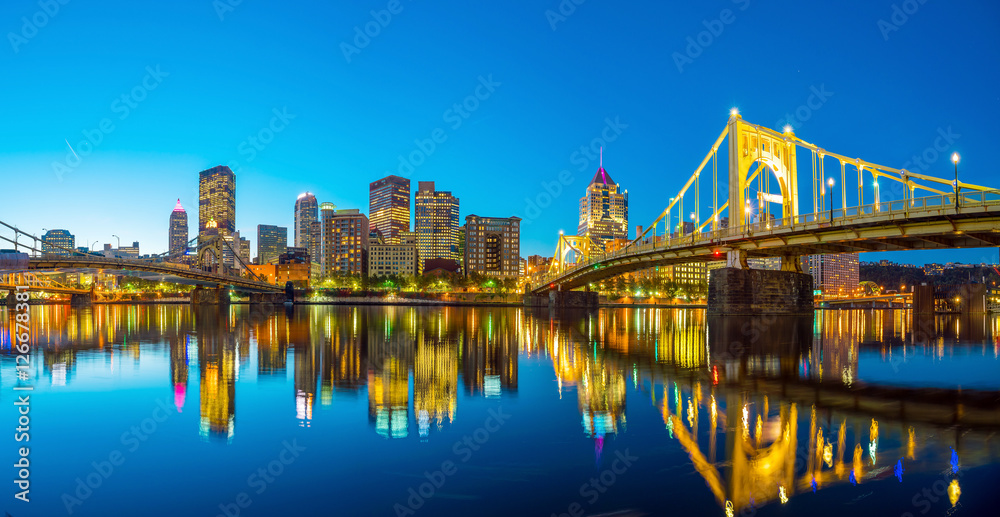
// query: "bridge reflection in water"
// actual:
[[765, 408]]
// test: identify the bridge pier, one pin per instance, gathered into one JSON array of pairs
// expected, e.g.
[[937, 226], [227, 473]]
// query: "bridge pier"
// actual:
[[203, 296], [573, 299], [81, 300], [737, 291], [923, 298]]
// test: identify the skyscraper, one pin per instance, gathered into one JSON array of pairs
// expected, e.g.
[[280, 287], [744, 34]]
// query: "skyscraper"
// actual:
[[603, 209], [178, 234], [436, 223], [344, 241], [217, 200], [389, 207], [492, 246], [272, 241], [58, 242], [306, 211]]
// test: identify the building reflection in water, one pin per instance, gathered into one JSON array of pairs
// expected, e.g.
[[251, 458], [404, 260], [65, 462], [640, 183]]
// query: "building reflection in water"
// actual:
[[766, 408], [217, 362]]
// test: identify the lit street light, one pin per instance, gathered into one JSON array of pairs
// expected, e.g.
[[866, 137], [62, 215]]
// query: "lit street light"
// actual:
[[830, 182], [955, 158]]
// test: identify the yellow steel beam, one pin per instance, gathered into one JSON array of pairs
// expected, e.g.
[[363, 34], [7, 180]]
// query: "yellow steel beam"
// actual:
[[690, 181]]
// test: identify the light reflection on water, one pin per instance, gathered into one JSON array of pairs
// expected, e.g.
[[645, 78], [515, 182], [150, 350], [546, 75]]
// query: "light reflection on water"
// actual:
[[762, 411]]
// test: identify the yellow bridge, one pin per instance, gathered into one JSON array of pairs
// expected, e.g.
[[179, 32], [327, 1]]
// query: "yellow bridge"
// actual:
[[762, 217]]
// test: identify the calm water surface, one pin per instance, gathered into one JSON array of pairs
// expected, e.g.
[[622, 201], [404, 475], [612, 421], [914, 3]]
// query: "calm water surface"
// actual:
[[170, 411]]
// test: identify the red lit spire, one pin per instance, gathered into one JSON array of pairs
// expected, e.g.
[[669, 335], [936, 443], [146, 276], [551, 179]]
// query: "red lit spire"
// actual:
[[178, 207]]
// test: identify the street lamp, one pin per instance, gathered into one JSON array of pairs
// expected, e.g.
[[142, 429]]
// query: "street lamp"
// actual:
[[829, 183], [119, 241], [955, 158]]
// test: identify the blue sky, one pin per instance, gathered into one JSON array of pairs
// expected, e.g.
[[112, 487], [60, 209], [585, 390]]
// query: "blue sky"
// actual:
[[204, 83]]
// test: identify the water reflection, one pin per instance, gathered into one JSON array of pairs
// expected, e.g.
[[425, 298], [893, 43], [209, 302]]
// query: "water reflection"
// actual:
[[764, 408]]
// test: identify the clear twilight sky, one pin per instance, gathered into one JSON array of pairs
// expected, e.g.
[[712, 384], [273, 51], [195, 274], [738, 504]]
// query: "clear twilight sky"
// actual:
[[203, 83]]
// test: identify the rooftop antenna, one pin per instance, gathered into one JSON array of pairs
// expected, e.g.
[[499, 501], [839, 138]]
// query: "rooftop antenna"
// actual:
[[602, 158]]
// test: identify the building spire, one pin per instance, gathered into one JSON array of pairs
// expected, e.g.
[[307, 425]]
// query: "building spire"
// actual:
[[178, 207], [602, 162]]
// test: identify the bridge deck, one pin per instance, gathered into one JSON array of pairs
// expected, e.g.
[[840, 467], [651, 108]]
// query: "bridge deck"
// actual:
[[927, 223]]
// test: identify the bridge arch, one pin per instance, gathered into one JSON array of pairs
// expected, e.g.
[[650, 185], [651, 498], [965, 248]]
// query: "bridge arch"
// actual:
[[750, 144]]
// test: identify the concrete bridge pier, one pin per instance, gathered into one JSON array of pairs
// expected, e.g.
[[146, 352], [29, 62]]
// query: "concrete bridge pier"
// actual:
[[11, 298], [81, 299], [573, 299], [923, 298], [739, 291], [216, 296]]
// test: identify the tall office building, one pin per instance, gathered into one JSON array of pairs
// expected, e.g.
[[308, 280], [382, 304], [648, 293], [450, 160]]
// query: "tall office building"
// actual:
[[835, 275], [306, 211], [178, 232], [60, 238], [493, 246], [389, 207], [344, 241], [217, 200], [436, 223], [603, 209], [272, 241]]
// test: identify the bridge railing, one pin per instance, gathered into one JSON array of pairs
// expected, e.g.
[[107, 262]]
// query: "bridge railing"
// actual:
[[893, 209]]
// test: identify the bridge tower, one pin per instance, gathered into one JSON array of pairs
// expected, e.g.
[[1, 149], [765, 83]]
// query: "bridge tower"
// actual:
[[775, 154]]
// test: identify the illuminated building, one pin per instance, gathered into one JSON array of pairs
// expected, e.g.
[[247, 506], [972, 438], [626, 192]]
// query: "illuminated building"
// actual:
[[344, 242], [603, 209], [217, 200], [178, 233], [836, 275], [272, 241], [279, 274], [306, 212], [244, 248], [436, 223], [61, 238], [315, 239], [493, 246], [394, 259], [122, 252], [389, 207]]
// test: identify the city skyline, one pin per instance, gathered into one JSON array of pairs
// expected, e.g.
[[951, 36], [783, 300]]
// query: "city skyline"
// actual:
[[168, 127]]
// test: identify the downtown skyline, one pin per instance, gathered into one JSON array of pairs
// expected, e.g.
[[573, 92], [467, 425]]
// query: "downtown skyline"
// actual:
[[657, 117]]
